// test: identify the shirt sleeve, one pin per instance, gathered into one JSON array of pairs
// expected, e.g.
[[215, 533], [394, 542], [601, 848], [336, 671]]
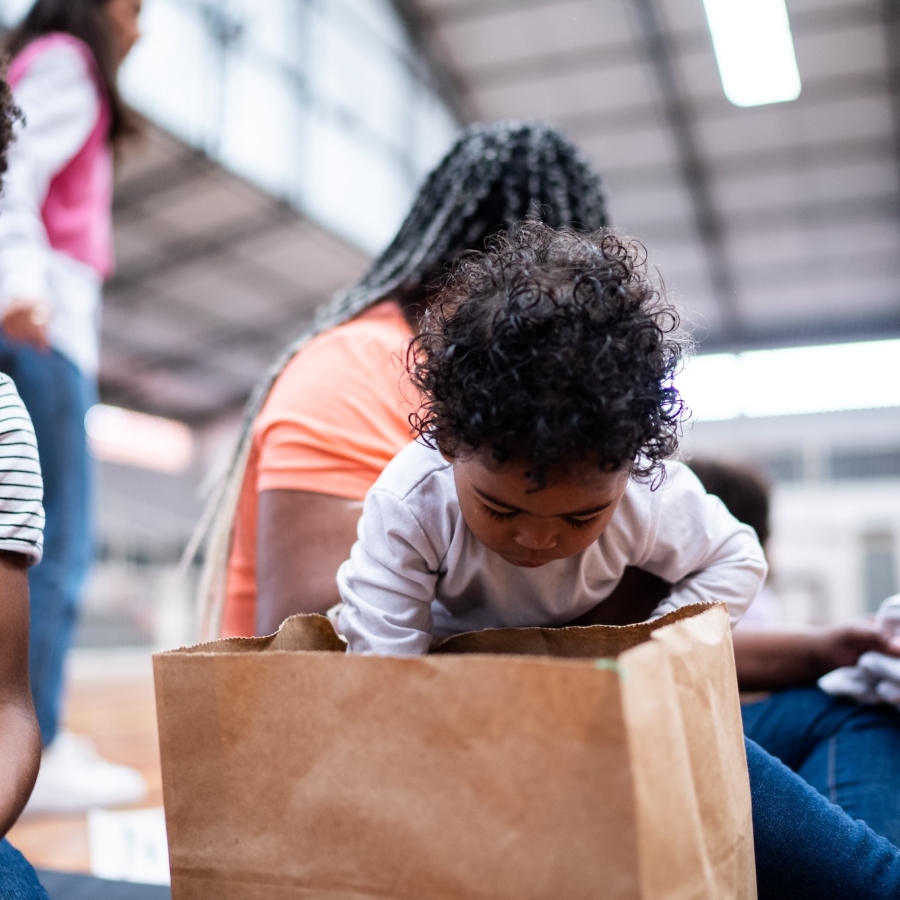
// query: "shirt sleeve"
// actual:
[[337, 415], [389, 582], [701, 548], [60, 106], [21, 486]]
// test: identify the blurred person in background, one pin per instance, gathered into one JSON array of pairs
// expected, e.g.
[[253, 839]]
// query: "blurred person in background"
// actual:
[[848, 751], [55, 252], [334, 412], [21, 539]]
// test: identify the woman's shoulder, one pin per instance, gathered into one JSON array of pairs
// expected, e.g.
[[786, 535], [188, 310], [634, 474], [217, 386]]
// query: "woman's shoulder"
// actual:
[[382, 325], [362, 354], [366, 339]]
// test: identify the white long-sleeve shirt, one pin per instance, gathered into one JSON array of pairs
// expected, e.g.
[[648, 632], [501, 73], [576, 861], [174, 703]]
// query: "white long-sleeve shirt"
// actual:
[[58, 98], [417, 571]]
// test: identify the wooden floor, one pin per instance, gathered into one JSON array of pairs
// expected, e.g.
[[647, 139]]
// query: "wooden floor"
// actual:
[[119, 715]]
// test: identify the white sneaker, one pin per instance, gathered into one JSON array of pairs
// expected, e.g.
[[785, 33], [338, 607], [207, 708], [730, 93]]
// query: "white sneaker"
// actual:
[[73, 777]]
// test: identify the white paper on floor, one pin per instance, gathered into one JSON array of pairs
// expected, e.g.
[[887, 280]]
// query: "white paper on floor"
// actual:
[[129, 845]]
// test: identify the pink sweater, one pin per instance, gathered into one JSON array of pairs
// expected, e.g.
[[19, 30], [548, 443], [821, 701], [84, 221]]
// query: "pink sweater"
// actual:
[[77, 211]]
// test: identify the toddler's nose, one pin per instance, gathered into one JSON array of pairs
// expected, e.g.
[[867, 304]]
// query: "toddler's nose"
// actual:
[[536, 538]]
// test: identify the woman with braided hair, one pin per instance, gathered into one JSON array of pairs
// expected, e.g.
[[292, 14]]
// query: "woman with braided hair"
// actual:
[[331, 413]]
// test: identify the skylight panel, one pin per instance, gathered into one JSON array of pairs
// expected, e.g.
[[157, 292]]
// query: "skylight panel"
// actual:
[[792, 381], [754, 49]]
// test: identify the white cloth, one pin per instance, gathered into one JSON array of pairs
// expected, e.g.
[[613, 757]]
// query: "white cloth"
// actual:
[[21, 486], [59, 101], [416, 569], [876, 676]]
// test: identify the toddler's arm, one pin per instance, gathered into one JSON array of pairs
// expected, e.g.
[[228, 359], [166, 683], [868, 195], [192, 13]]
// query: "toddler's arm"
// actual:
[[700, 548], [389, 581]]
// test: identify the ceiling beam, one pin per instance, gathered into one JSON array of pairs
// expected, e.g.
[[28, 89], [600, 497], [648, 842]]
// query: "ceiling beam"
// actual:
[[891, 24], [471, 10], [541, 66], [834, 155], [600, 57], [446, 81], [748, 336], [183, 167], [628, 119], [805, 216], [677, 112], [183, 250]]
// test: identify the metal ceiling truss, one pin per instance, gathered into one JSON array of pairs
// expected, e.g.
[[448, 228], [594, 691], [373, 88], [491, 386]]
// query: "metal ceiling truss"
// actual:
[[677, 112]]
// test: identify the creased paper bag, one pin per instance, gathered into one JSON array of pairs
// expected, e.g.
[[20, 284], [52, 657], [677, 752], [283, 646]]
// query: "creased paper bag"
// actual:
[[516, 764]]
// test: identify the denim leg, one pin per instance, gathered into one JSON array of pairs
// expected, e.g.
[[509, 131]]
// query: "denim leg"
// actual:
[[57, 395], [18, 880], [809, 848], [847, 751]]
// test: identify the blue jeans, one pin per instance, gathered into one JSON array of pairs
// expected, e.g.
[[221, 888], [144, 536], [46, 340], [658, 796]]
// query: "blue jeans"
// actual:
[[57, 395], [847, 751], [18, 880], [810, 849]]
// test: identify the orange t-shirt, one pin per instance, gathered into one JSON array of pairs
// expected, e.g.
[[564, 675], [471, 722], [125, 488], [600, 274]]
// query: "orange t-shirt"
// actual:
[[336, 416]]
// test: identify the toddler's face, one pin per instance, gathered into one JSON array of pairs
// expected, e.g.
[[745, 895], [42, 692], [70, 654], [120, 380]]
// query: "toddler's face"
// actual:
[[531, 528]]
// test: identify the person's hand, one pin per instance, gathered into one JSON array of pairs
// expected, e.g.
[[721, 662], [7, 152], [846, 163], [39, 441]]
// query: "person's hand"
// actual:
[[25, 321], [842, 645]]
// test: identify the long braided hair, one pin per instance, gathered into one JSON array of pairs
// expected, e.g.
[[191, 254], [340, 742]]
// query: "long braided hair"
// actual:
[[493, 176]]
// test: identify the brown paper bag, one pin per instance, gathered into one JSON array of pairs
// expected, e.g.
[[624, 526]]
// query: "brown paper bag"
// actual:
[[516, 764]]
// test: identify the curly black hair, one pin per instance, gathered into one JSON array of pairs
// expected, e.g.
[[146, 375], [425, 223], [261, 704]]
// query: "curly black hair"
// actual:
[[552, 349]]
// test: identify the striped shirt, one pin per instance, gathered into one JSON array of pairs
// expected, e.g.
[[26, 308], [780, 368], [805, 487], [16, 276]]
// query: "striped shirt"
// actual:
[[21, 486]]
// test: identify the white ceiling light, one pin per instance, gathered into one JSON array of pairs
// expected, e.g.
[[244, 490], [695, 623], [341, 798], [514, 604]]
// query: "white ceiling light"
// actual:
[[135, 439], [792, 381], [754, 50]]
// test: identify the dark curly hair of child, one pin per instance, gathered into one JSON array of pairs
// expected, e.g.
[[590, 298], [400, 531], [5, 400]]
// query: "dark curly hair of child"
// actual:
[[552, 349]]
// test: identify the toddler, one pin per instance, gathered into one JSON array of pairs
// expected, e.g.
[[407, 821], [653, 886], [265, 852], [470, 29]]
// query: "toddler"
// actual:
[[538, 475]]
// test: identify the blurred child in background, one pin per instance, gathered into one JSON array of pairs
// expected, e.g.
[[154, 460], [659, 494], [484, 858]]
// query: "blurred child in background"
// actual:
[[55, 252], [21, 540]]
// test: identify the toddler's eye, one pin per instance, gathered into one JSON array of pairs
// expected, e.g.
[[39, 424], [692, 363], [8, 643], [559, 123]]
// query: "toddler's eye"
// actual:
[[582, 523], [499, 516]]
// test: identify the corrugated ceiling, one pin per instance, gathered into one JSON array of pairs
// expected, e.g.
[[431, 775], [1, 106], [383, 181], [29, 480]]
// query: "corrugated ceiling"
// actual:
[[776, 224], [214, 277]]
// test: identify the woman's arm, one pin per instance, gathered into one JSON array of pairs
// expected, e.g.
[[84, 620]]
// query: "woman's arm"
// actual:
[[302, 538], [784, 656], [20, 738]]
